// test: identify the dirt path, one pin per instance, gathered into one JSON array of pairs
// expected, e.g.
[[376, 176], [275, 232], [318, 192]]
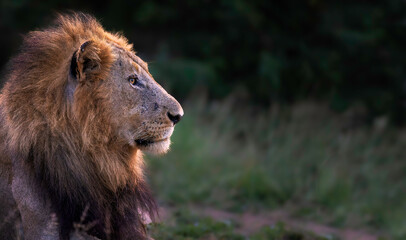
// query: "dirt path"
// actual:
[[249, 223]]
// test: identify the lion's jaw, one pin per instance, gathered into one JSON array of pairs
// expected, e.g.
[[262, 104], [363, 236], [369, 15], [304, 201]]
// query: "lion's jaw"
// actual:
[[156, 146]]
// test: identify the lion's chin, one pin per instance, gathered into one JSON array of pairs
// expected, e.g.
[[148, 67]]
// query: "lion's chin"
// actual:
[[154, 147]]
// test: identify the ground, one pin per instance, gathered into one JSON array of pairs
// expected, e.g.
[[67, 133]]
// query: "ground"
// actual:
[[257, 225]]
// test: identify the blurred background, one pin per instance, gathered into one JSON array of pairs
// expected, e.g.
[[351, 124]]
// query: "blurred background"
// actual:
[[294, 112]]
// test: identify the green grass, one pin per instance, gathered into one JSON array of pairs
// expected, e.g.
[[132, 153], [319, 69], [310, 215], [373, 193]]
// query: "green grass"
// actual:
[[188, 226], [304, 158]]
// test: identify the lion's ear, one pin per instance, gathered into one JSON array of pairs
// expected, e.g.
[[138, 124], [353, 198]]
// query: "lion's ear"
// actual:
[[91, 61]]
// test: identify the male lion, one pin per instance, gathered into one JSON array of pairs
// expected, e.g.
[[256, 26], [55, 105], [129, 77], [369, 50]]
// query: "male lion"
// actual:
[[76, 112]]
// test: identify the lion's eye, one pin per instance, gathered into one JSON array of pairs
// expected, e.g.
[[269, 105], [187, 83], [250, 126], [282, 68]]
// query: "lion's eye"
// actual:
[[133, 80]]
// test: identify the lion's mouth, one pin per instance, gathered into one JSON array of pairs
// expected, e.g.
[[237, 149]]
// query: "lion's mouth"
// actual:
[[146, 142], [143, 142]]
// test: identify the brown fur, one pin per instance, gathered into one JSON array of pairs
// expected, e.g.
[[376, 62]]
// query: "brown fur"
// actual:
[[61, 110]]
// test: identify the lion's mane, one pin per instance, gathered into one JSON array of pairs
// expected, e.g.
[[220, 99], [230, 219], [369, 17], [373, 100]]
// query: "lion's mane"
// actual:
[[67, 143]]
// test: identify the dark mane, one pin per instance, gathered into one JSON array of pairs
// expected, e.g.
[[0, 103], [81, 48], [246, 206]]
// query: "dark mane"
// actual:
[[76, 160]]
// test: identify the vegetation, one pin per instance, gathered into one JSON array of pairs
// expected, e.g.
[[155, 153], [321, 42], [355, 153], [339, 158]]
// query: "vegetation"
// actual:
[[189, 227], [313, 163]]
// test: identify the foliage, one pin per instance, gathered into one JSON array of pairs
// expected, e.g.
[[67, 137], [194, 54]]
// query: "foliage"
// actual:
[[341, 51]]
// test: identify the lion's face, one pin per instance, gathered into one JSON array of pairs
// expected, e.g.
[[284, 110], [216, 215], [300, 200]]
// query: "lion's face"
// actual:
[[144, 113]]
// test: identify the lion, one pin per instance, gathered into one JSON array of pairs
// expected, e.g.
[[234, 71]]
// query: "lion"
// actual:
[[78, 110]]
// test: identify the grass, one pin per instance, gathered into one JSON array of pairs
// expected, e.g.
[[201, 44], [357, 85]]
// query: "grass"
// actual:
[[317, 165], [188, 226]]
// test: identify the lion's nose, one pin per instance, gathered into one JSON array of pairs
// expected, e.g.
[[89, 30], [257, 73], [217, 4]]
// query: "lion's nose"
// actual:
[[175, 118], [174, 110]]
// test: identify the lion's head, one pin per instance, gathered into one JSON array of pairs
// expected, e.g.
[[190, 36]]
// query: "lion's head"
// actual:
[[96, 80], [142, 113]]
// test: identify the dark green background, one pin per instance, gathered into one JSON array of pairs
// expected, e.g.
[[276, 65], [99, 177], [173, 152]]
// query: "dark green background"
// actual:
[[342, 52]]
